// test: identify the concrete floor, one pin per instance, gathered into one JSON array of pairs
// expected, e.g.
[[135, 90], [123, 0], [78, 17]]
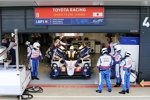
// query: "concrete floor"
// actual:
[[87, 94]]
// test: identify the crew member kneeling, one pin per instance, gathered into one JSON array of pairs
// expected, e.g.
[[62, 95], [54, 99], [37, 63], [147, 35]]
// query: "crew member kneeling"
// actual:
[[126, 65], [35, 54], [104, 64]]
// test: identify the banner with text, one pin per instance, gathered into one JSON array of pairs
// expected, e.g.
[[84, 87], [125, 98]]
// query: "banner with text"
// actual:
[[69, 16]]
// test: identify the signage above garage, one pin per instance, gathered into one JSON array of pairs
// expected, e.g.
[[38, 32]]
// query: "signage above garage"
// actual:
[[69, 16]]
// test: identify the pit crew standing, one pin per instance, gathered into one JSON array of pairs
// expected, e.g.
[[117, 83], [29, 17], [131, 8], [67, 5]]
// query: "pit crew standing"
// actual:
[[104, 64], [29, 49], [12, 50], [29, 46], [118, 58], [112, 54], [35, 54], [59, 42], [126, 65]]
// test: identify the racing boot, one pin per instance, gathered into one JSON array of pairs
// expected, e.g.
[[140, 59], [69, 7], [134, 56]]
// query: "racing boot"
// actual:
[[109, 90], [98, 91], [127, 91], [117, 85], [32, 77], [36, 78], [122, 92]]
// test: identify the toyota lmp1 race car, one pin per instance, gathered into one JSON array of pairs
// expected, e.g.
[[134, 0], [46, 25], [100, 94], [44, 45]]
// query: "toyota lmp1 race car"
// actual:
[[71, 62]]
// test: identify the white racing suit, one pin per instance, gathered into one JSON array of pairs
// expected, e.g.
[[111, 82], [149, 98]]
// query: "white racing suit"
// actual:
[[34, 54]]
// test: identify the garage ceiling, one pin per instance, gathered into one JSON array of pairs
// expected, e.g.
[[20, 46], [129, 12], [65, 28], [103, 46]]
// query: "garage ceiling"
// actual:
[[6, 3]]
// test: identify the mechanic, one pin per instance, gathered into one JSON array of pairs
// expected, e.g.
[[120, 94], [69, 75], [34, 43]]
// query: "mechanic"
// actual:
[[110, 44], [29, 46], [4, 42], [12, 50], [59, 53], [59, 42], [104, 64], [35, 54], [126, 65], [29, 49], [112, 54], [118, 58], [49, 54]]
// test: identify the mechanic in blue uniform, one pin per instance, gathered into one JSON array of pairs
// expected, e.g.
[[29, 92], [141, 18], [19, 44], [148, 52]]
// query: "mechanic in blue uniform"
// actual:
[[104, 65], [34, 55], [12, 50], [126, 65], [118, 58], [112, 54]]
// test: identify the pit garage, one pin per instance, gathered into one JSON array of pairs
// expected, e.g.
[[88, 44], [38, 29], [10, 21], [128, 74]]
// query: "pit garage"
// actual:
[[94, 41], [121, 25]]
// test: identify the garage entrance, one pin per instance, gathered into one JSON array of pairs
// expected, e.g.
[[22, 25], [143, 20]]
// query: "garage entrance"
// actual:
[[95, 41]]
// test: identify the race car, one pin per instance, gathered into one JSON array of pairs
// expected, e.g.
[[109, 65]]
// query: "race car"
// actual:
[[71, 63]]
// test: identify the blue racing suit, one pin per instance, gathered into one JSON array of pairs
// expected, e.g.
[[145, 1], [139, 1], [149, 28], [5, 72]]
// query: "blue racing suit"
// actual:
[[126, 65], [117, 59], [34, 54], [104, 64]]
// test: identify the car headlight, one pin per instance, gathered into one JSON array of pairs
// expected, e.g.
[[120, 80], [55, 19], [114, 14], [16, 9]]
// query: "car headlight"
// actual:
[[86, 65], [55, 70], [54, 66]]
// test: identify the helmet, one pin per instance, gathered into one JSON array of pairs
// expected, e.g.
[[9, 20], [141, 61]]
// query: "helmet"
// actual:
[[104, 50], [71, 48], [127, 53], [27, 43], [117, 48], [36, 45]]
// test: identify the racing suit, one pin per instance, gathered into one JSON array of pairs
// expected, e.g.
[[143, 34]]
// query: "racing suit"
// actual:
[[104, 64], [126, 65], [58, 43], [117, 59], [29, 49], [34, 54]]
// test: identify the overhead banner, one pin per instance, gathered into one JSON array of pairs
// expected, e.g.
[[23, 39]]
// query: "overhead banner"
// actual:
[[69, 16]]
